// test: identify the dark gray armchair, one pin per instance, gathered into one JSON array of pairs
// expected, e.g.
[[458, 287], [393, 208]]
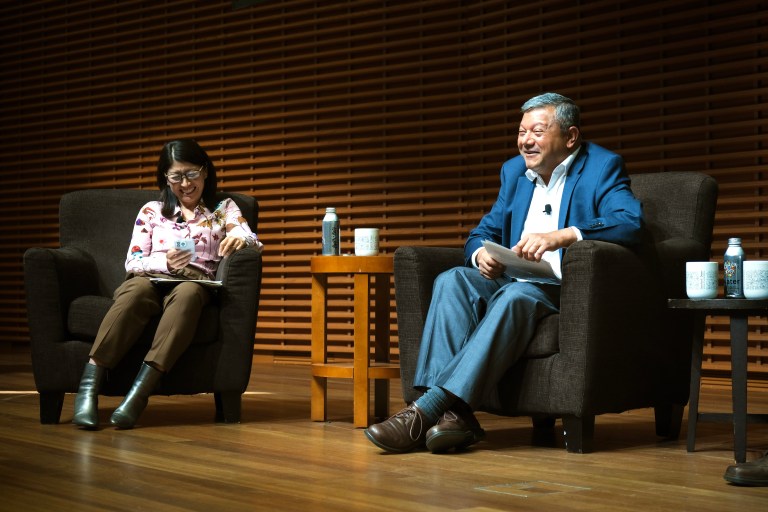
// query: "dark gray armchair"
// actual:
[[613, 346], [69, 290]]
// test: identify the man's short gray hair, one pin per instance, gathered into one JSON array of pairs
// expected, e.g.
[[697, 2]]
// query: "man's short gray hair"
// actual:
[[567, 113]]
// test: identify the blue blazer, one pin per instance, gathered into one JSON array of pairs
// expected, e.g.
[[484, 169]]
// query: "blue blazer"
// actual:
[[596, 199]]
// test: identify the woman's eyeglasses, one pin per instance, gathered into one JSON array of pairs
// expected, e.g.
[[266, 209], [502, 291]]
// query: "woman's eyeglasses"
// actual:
[[178, 177]]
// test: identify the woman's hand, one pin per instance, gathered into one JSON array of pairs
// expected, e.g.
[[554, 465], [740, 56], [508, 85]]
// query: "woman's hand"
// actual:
[[231, 244], [176, 259]]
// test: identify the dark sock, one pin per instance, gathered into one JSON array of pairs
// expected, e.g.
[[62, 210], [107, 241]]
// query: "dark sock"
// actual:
[[434, 403]]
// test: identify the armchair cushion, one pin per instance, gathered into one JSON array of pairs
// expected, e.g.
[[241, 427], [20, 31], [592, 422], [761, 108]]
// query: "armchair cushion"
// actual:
[[545, 341]]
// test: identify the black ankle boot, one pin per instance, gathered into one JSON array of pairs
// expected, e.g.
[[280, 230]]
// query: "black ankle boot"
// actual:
[[87, 398], [134, 403]]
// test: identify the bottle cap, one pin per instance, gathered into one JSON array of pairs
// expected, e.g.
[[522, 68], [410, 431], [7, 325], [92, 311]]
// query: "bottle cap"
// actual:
[[736, 241]]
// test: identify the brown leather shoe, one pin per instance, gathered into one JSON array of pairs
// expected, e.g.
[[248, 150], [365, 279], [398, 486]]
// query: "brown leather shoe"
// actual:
[[754, 473], [400, 433], [454, 430]]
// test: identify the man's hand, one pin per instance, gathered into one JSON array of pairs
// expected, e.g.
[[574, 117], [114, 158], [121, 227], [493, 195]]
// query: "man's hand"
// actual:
[[489, 267], [533, 245]]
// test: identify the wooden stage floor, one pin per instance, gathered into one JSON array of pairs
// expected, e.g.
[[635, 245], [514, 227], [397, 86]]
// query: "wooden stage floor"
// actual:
[[177, 459]]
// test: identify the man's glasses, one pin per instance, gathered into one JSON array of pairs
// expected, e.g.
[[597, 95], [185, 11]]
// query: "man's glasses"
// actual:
[[178, 177]]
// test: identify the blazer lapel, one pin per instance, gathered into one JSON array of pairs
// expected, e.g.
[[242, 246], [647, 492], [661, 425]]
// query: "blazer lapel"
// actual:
[[574, 175], [519, 208]]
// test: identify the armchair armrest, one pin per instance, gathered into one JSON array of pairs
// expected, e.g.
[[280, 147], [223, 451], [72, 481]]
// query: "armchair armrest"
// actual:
[[238, 300], [53, 278], [415, 271], [610, 311]]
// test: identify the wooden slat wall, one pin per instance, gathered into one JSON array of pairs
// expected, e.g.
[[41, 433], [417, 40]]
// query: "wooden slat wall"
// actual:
[[398, 113]]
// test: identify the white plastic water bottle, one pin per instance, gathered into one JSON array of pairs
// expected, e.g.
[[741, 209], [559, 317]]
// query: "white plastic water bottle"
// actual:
[[331, 241]]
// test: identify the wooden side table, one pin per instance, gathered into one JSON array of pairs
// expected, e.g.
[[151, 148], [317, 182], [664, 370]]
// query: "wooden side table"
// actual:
[[362, 369], [739, 311]]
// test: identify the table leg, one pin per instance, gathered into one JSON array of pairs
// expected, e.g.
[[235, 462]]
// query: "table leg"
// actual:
[[362, 351], [739, 384], [319, 385], [381, 345], [697, 352]]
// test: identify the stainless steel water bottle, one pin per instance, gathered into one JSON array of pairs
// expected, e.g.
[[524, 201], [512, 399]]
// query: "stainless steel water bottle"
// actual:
[[331, 241], [733, 265]]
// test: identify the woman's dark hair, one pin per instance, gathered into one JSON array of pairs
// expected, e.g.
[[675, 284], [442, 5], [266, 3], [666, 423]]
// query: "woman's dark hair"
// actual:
[[187, 151]]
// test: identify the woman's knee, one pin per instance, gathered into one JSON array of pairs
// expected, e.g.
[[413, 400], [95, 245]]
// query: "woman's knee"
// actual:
[[189, 293], [136, 288]]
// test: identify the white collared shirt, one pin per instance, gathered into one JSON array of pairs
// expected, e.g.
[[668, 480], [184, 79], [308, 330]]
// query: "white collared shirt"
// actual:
[[551, 194], [544, 211]]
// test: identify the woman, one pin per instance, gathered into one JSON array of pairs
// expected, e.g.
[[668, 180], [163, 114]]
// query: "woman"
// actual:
[[187, 210]]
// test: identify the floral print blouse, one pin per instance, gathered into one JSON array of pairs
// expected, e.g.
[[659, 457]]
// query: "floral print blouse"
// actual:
[[154, 235]]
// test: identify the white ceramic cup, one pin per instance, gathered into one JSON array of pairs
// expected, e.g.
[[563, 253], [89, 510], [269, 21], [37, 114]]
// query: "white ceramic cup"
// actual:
[[701, 279], [755, 279], [366, 242]]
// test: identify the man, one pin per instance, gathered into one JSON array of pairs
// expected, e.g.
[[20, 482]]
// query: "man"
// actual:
[[559, 190], [753, 473]]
